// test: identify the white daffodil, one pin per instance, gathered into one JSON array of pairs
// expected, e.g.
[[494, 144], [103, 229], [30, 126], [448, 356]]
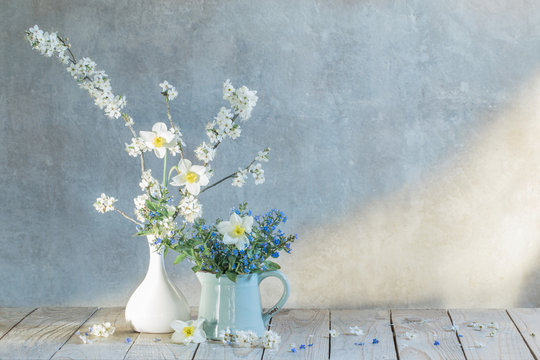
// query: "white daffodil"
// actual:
[[188, 331], [159, 139], [234, 231], [190, 176]]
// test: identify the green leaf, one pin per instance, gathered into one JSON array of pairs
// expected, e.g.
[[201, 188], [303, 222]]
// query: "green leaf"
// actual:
[[196, 268], [179, 259], [150, 205], [231, 275], [272, 265]]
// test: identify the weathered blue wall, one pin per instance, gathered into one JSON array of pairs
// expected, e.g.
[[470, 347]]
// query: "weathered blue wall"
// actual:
[[370, 107]]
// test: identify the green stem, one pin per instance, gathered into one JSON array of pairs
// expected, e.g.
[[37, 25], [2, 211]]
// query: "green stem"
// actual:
[[164, 169]]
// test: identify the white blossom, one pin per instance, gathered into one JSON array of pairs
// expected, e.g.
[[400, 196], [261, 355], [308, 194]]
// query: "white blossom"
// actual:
[[136, 147], [226, 336], [104, 203], [333, 333], [257, 172], [246, 338], [150, 184], [128, 120], [263, 155], [356, 330], [270, 339], [84, 71], [240, 178], [242, 100], [205, 152], [168, 90], [228, 89], [103, 330], [48, 44], [190, 208], [140, 201]]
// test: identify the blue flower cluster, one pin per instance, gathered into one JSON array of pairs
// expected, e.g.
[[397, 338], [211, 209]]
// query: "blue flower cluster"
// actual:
[[205, 248]]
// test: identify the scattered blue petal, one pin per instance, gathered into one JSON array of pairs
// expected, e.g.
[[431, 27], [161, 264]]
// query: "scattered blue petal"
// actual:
[[359, 343], [436, 343], [293, 350], [128, 340], [302, 346], [310, 344], [157, 339], [375, 341], [460, 335]]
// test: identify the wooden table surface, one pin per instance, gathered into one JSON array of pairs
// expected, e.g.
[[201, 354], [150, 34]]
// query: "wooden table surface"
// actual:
[[49, 333]]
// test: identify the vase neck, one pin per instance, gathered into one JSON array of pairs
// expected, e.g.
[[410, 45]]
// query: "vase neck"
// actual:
[[156, 264]]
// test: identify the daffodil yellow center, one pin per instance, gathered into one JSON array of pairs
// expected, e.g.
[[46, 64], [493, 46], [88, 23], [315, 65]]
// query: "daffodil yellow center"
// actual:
[[238, 230], [188, 331], [158, 141], [191, 177]]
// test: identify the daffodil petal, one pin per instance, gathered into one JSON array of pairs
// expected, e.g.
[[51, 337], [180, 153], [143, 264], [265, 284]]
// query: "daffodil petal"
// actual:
[[235, 219], [229, 240], [203, 180], [147, 136], [184, 166], [159, 128], [193, 188], [178, 325], [178, 337], [160, 152], [247, 223]]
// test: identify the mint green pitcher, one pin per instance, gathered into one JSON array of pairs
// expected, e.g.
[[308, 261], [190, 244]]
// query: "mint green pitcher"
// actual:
[[236, 305]]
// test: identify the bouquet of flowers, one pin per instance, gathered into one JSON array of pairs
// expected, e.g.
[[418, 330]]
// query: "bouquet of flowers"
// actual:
[[243, 244]]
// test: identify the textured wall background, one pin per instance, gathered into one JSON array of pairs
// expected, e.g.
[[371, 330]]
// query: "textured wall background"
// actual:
[[404, 136]]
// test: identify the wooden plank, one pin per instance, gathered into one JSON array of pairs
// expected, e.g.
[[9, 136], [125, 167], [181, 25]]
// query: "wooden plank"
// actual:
[[528, 323], [425, 334], [215, 350], [9, 317], [159, 346], [112, 347], [506, 342], [375, 325], [43, 332], [300, 327]]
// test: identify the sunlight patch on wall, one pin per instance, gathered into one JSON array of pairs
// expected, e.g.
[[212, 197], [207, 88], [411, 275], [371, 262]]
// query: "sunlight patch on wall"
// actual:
[[466, 235]]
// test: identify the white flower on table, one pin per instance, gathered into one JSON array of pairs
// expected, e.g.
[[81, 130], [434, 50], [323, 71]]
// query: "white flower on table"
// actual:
[[186, 332], [103, 330], [270, 339], [246, 338], [356, 330], [159, 139], [104, 203], [333, 333], [190, 176], [234, 231]]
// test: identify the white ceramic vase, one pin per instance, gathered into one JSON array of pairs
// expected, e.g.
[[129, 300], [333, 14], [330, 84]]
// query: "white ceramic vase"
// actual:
[[156, 302]]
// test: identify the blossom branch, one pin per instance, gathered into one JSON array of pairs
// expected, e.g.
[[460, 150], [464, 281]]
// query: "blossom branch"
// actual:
[[127, 217], [172, 125], [225, 178]]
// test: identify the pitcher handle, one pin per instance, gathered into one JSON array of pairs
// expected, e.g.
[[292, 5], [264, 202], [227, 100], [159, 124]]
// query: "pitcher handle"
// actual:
[[274, 309]]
